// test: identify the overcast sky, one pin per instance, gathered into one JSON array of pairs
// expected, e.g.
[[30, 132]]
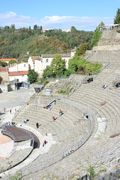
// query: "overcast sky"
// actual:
[[83, 14]]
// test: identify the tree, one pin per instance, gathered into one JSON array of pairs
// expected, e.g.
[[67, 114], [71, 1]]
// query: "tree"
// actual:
[[73, 64], [12, 27], [117, 17], [12, 62], [101, 25], [48, 72], [97, 34], [56, 69], [3, 64], [58, 66], [73, 29], [6, 28], [32, 76], [82, 49], [40, 29], [35, 27]]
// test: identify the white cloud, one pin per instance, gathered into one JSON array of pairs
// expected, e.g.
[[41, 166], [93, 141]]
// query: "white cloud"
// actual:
[[12, 18], [79, 22], [63, 22]]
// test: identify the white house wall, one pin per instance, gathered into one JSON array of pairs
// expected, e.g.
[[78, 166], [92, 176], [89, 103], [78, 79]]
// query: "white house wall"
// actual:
[[19, 67], [22, 78], [30, 62], [40, 65]]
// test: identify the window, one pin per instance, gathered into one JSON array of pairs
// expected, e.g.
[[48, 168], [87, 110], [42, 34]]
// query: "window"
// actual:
[[46, 60]]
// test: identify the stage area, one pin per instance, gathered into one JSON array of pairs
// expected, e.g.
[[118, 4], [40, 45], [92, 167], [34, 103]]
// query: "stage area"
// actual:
[[6, 146]]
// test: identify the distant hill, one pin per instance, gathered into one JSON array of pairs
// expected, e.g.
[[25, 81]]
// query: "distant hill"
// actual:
[[20, 43]]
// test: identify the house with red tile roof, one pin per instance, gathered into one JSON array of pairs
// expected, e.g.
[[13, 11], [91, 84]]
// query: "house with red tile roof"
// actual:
[[39, 63], [18, 72]]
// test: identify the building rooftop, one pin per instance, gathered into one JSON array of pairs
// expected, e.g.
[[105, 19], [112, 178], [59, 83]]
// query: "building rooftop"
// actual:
[[3, 69], [18, 73]]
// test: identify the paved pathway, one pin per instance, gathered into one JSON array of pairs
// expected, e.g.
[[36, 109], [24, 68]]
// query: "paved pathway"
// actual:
[[15, 98]]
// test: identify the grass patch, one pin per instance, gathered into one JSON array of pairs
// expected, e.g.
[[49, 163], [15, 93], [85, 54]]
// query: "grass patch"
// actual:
[[65, 90]]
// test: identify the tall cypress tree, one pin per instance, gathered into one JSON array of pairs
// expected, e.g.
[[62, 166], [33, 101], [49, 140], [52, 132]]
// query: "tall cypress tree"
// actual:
[[117, 17]]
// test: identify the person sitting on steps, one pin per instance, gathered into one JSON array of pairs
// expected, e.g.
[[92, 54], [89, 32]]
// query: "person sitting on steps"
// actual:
[[54, 118], [61, 112]]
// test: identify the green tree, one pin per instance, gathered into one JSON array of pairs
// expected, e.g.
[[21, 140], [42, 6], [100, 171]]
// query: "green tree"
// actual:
[[48, 72], [56, 69], [73, 64], [117, 17], [12, 61], [82, 49], [58, 66], [73, 29], [97, 34], [3, 64], [12, 27], [35, 27], [32, 76]]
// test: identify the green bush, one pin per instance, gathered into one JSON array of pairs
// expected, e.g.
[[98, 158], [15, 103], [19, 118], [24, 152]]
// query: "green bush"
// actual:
[[17, 176], [80, 65], [91, 172], [3, 64], [32, 76]]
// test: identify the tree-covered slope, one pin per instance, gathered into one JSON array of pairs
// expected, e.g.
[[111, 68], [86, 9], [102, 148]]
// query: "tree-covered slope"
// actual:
[[16, 43]]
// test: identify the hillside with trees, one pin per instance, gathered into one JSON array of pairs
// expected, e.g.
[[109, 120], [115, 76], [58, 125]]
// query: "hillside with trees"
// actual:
[[20, 43]]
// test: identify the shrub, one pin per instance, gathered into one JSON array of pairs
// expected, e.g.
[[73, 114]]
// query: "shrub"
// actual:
[[17, 176], [12, 62], [91, 172], [32, 76], [3, 64], [80, 65]]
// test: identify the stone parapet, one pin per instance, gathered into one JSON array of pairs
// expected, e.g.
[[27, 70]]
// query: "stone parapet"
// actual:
[[107, 47]]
